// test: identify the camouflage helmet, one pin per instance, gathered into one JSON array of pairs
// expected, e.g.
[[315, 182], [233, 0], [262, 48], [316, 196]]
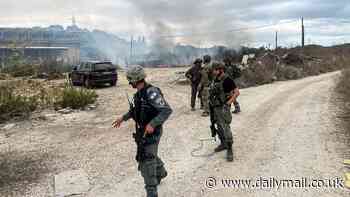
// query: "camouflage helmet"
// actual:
[[197, 61], [135, 73], [217, 65], [206, 58], [227, 60]]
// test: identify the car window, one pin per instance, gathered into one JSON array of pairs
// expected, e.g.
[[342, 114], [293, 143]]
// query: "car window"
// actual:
[[76, 67], [86, 66], [81, 66], [103, 66]]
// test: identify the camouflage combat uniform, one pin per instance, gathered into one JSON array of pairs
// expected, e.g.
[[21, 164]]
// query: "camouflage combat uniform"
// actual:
[[151, 108], [205, 82], [220, 113], [221, 110], [194, 74]]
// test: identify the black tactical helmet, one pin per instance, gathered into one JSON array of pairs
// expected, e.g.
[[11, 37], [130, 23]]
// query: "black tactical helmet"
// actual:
[[217, 65], [206, 58], [198, 61]]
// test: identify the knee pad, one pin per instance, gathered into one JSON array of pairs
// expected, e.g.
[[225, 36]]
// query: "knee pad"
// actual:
[[149, 172]]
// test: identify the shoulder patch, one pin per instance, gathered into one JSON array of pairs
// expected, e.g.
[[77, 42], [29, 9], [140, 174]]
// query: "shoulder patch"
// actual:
[[152, 93], [155, 96], [160, 101]]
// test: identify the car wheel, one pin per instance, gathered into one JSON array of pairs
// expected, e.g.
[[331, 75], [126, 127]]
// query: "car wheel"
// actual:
[[87, 83]]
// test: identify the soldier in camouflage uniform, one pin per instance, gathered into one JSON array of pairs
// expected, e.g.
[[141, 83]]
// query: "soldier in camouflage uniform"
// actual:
[[150, 111], [206, 77], [194, 75], [223, 92]]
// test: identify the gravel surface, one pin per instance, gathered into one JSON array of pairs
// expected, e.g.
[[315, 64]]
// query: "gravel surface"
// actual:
[[287, 130]]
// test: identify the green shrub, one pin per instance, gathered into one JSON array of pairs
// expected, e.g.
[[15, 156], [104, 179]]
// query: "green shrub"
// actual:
[[12, 105], [19, 98], [75, 98]]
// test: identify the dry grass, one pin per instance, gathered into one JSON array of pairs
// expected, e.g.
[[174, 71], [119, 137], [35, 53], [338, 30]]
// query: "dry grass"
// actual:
[[48, 71], [12, 105], [344, 84], [343, 89], [19, 98]]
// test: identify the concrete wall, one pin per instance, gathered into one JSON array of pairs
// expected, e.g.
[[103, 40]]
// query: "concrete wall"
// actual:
[[40, 44], [38, 55]]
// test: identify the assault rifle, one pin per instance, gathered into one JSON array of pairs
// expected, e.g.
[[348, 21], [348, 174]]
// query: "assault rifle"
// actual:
[[140, 133]]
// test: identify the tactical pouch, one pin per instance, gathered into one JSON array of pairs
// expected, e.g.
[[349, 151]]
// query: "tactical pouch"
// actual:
[[150, 140], [226, 113], [141, 143], [153, 138]]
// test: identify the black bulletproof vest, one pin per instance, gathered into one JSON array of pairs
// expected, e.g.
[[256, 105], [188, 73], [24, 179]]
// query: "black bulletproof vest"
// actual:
[[144, 111], [217, 95]]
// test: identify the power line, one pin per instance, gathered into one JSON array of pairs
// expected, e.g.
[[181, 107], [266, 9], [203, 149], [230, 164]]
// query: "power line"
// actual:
[[229, 31]]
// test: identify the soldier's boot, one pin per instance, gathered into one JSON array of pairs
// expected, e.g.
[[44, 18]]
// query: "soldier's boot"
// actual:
[[220, 148], [151, 191], [223, 145], [149, 173], [237, 108], [205, 114], [162, 174], [229, 154]]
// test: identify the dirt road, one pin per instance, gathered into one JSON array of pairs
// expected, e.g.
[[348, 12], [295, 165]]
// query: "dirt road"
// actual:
[[287, 130]]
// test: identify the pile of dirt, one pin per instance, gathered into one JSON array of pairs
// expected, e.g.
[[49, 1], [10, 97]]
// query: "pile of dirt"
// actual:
[[4, 76], [262, 66], [289, 64], [293, 59], [261, 71]]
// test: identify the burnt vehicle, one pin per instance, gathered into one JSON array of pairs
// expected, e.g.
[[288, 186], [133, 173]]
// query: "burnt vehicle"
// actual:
[[94, 73]]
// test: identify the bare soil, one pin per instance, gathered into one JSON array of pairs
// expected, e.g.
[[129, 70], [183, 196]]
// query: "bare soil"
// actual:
[[286, 130]]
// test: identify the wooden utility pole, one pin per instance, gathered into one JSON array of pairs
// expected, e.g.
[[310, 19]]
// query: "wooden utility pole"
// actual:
[[276, 40], [302, 33], [131, 48]]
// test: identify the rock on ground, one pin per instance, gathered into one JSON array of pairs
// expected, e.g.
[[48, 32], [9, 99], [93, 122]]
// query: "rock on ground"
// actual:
[[71, 183]]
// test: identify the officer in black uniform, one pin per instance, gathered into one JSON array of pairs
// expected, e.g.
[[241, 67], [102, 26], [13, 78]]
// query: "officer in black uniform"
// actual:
[[150, 111]]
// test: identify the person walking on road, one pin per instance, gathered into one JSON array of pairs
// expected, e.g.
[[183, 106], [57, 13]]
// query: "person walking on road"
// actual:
[[149, 110]]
